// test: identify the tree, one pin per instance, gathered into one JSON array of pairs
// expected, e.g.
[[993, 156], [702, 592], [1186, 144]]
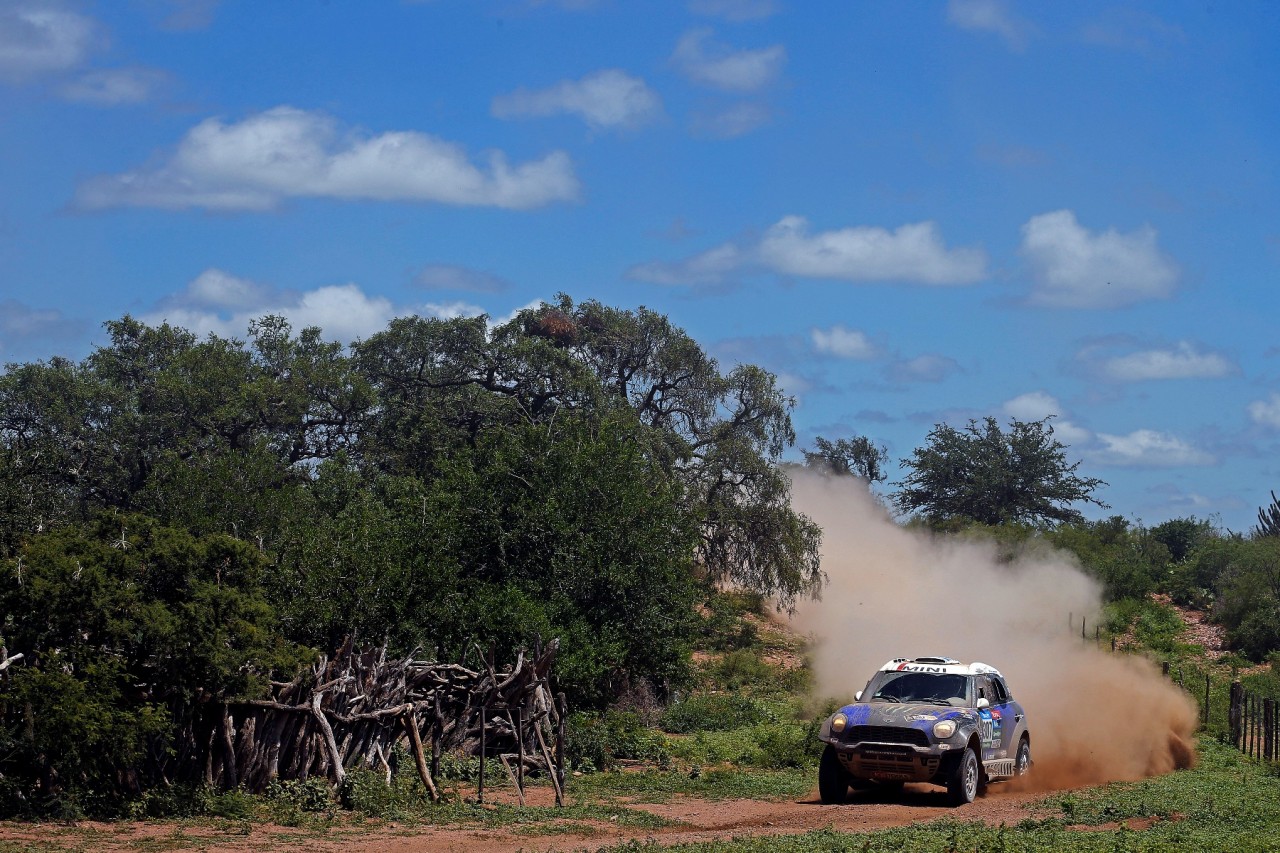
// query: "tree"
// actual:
[[858, 456], [442, 383], [984, 474], [1269, 519], [129, 630]]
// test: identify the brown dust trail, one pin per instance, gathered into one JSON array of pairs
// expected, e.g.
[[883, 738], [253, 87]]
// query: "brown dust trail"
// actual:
[[1095, 716]]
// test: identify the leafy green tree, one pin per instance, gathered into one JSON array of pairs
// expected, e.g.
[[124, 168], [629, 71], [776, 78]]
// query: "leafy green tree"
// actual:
[[1182, 535], [129, 628], [566, 529], [1248, 602], [858, 456], [1128, 560], [442, 384], [991, 476]]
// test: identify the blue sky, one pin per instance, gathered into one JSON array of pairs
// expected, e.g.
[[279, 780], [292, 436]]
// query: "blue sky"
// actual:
[[911, 212]]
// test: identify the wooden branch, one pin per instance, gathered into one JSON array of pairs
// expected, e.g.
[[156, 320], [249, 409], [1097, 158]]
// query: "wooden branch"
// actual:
[[415, 739], [326, 731]]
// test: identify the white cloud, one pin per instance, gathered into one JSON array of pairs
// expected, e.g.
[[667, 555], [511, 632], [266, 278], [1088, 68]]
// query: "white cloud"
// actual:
[[710, 63], [1146, 448], [1131, 29], [1037, 405], [454, 277], [1266, 412], [604, 99], [214, 288], [113, 86], [732, 121], [844, 343], [912, 253], [42, 37], [922, 368], [290, 153], [1184, 361], [22, 327], [343, 311], [453, 310], [223, 304], [991, 16], [1032, 406], [709, 267], [185, 14], [511, 315], [1074, 268], [734, 10]]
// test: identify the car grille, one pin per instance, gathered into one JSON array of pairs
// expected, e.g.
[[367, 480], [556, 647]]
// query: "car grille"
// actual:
[[886, 734]]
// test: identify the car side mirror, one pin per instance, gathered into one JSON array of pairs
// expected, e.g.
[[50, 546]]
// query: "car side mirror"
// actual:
[[858, 696], [983, 703]]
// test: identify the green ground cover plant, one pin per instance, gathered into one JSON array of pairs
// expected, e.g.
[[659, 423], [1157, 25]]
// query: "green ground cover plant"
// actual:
[[1227, 802]]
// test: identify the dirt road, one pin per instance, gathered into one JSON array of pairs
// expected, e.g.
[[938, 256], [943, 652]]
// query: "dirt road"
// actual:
[[692, 819]]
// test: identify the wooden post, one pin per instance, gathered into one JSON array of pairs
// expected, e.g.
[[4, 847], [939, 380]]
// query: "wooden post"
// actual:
[[562, 705], [1113, 644], [518, 719], [1083, 621], [437, 734], [483, 726], [1269, 727], [415, 741], [1164, 669], [1206, 699], [1234, 712], [1097, 635]]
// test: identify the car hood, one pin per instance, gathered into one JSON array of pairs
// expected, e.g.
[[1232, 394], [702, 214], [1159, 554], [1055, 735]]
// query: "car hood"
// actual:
[[920, 716]]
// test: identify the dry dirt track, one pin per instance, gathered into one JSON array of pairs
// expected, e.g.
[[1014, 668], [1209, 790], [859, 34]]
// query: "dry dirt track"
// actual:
[[696, 820]]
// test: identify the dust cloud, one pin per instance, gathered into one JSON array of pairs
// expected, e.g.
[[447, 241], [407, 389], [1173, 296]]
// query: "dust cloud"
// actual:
[[1095, 716]]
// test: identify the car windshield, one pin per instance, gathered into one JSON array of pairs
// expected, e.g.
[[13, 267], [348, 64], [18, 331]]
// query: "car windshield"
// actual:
[[923, 687]]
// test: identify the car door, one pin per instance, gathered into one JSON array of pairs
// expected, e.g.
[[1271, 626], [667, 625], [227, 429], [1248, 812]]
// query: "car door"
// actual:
[[990, 718], [1005, 717]]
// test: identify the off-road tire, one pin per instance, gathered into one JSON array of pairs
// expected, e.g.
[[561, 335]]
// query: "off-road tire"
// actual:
[[963, 786], [833, 779], [1022, 761]]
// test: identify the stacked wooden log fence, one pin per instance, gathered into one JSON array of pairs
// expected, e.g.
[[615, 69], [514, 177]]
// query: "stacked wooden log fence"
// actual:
[[352, 710]]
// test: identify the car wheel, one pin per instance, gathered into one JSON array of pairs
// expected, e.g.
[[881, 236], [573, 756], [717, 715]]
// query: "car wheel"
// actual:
[[1022, 764], [963, 787], [833, 779]]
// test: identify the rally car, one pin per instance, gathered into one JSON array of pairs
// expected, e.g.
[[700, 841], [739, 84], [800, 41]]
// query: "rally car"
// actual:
[[926, 720]]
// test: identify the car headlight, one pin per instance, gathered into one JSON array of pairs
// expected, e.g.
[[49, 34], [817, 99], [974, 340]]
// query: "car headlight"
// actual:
[[838, 722], [944, 729]]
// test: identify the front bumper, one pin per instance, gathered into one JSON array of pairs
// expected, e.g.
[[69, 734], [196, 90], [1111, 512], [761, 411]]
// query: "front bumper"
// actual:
[[896, 762]]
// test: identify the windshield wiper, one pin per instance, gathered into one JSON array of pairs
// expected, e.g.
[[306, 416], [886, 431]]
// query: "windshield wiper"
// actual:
[[889, 699]]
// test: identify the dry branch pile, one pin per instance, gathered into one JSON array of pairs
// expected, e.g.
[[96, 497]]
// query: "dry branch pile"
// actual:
[[351, 711]]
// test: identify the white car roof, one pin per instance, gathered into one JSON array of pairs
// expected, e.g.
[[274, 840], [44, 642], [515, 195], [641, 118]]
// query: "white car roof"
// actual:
[[949, 666]]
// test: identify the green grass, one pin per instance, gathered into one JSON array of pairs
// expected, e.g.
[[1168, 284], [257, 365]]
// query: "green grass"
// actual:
[[1227, 803], [656, 786]]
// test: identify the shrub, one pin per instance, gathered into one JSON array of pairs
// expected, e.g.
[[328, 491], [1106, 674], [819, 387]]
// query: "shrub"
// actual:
[[715, 713], [599, 741], [740, 669], [789, 745], [367, 792]]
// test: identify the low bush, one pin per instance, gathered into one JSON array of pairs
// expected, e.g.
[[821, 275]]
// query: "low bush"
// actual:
[[715, 712], [740, 669], [599, 741]]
